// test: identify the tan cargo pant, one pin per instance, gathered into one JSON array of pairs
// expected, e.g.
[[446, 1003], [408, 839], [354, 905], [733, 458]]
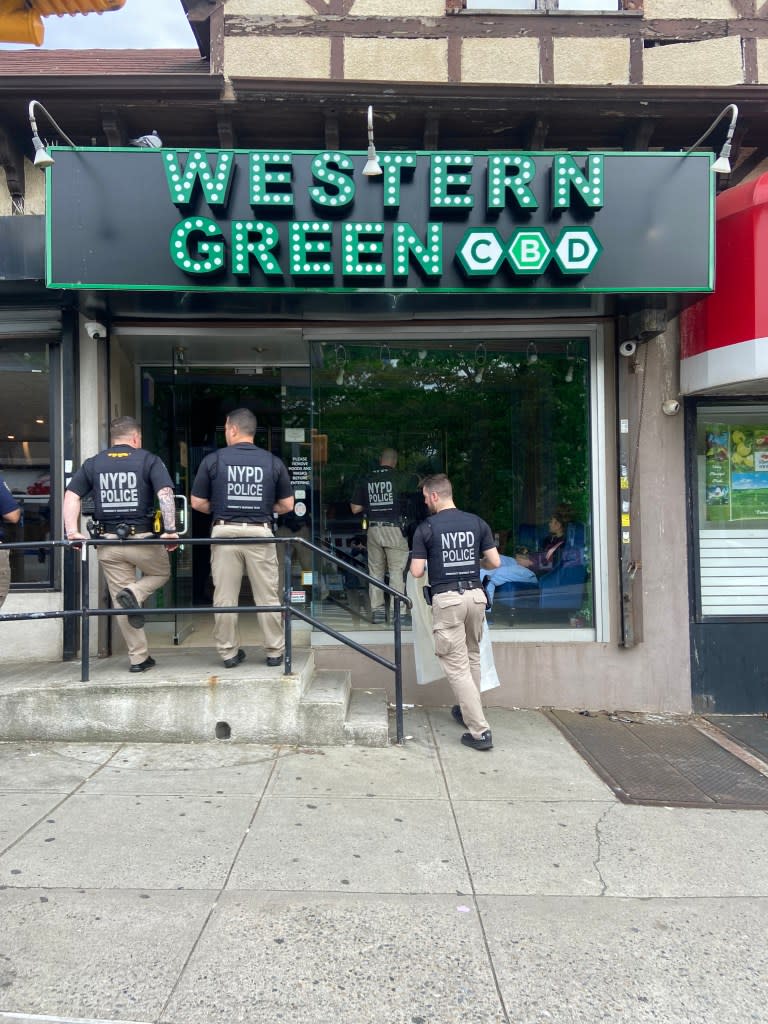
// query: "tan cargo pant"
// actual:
[[301, 554], [119, 563], [259, 562], [387, 553], [457, 625]]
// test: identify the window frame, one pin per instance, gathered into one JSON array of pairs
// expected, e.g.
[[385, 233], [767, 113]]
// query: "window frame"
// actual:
[[594, 333]]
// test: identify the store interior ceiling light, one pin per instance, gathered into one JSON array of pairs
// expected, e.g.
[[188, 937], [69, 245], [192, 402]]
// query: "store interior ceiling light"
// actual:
[[571, 359], [340, 354], [42, 157], [723, 164], [480, 359]]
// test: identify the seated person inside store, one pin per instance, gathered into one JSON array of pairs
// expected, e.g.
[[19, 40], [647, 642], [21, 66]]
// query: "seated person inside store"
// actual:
[[550, 550], [512, 570], [526, 567]]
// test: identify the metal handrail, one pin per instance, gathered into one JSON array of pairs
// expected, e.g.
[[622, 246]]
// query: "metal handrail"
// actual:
[[85, 612]]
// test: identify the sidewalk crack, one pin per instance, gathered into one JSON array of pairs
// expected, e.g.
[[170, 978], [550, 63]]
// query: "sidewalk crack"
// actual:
[[599, 844]]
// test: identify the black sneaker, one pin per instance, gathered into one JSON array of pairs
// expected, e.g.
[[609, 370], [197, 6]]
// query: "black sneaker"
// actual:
[[143, 665], [235, 660], [484, 743], [274, 660], [127, 599], [457, 716], [378, 617]]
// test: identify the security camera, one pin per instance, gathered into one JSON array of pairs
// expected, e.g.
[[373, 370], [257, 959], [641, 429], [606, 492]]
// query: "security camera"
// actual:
[[95, 330], [628, 349], [670, 407]]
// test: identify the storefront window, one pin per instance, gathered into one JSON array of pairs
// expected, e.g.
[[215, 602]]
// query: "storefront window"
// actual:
[[732, 460], [25, 459], [507, 420]]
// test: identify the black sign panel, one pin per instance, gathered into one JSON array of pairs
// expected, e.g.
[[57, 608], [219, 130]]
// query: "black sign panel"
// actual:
[[432, 222]]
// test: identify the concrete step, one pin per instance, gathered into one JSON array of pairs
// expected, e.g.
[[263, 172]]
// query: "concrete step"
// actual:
[[323, 707], [367, 722], [331, 712], [187, 697]]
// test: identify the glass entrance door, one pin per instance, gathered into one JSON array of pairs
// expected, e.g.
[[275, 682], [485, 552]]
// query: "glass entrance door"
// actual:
[[183, 416]]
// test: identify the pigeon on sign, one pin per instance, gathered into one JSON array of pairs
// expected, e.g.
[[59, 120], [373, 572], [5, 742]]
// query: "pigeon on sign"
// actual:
[[151, 141]]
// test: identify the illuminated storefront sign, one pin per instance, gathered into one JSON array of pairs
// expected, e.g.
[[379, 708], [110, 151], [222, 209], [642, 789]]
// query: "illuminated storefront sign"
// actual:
[[431, 222]]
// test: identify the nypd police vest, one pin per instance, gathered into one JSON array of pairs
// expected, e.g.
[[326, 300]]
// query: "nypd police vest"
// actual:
[[122, 492], [453, 542], [243, 484]]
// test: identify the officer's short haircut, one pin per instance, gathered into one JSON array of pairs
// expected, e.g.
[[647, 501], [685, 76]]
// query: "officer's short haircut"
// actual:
[[123, 426], [439, 483], [244, 420]]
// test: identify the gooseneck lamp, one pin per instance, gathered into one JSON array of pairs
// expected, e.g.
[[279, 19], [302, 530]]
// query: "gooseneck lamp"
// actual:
[[372, 167], [42, 157], [723, 164]]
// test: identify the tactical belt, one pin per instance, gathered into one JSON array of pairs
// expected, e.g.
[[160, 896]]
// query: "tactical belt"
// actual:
[[459, 586], [238, 522], [100, 527]]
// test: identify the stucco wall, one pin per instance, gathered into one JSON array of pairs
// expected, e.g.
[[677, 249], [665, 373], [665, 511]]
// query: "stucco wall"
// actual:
[[710, 62], [397, 60], [375, 40], [282, 56], [275, 8], [581, 62], [513, 61], [690, 9], [399, 8]]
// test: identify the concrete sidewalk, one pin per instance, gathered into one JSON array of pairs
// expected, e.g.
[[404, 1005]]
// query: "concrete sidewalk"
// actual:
[[428, 884]]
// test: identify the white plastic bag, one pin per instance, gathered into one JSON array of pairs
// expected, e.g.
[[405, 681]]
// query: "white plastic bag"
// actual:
[[428, 668]]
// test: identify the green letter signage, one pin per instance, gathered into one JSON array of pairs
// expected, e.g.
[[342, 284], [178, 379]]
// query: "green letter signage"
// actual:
[[393, 165], [406, 243], [305, 249], [567, 175], [444, 183], [338, 188], [451, 221], [196, 246], [263, 179], [215, 184], [500, 181], [356, 251], [257, 239]]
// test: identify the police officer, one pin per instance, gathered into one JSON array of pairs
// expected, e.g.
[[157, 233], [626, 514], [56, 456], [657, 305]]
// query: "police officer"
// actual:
[[124, 480], [454, 545], [241, 486], [378, 497], [10, 512]]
